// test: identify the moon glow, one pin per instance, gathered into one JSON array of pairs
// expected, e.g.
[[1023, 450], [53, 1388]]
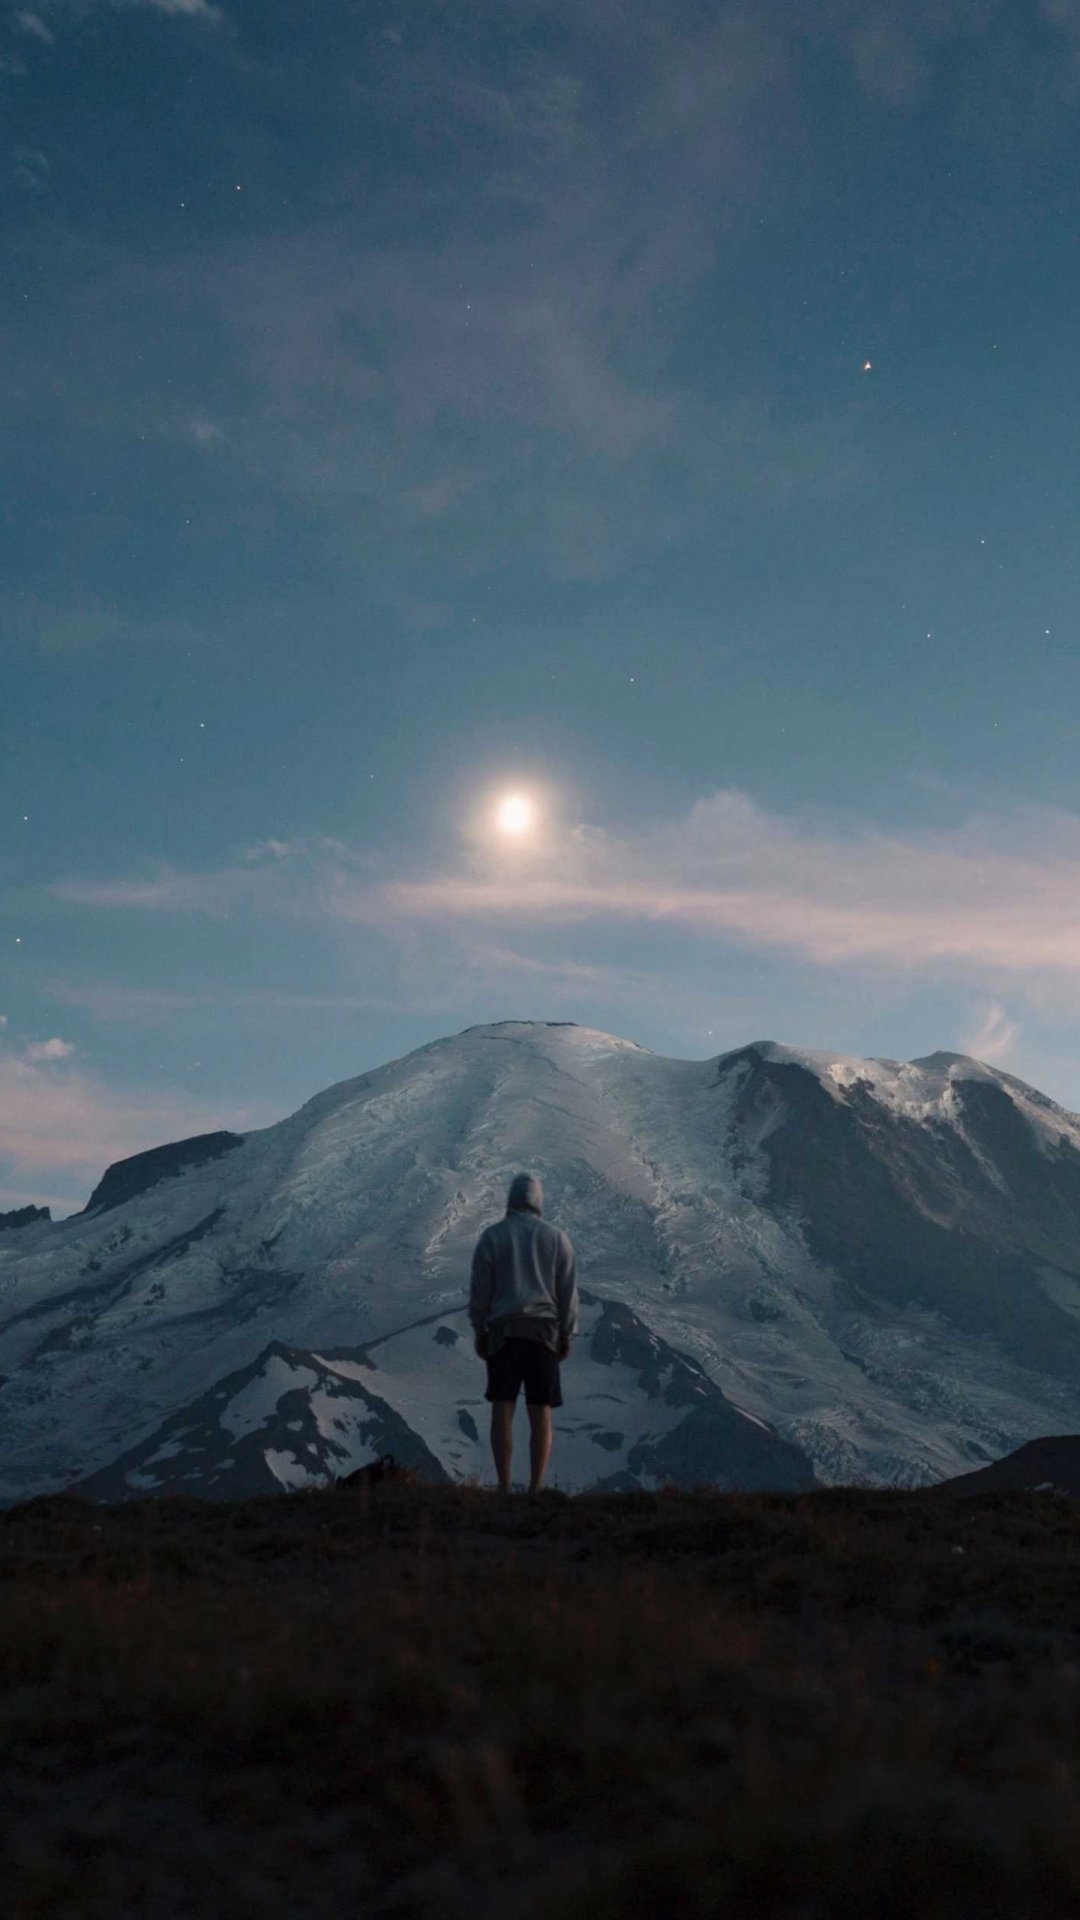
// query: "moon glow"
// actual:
[[515, 815]]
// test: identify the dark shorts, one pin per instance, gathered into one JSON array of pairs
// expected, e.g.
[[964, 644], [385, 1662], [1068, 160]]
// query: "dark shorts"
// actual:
[[527, 1362]]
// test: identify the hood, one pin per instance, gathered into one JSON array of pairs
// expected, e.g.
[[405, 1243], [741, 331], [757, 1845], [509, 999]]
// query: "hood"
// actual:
[[525, 1195]]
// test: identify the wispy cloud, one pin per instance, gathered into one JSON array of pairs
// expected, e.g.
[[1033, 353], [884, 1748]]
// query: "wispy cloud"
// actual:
[[898, 51], [32, 23], [995, 1035], [508, 379], [1064, 14], [35, 26], [995, 896], [894, 49], [203, 431], [501, 380], [275, 876], [169, 890], [192, 9], [31, 168]]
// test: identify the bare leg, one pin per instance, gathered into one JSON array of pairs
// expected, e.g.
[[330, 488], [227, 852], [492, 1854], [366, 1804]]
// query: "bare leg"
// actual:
[[502, 1440], [539, 1445]]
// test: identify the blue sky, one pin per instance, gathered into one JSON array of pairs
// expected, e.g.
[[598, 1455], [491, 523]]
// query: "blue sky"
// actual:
[[407, 405]]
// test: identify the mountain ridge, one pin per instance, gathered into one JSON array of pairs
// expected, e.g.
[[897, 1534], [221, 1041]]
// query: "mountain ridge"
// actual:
[[878, 1260]]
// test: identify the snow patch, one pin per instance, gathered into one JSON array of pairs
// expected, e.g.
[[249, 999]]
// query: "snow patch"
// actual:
[[289, 1472], [258, 1402]]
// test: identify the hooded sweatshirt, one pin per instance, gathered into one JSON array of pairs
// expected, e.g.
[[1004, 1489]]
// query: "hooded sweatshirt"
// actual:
[[523, 1274]]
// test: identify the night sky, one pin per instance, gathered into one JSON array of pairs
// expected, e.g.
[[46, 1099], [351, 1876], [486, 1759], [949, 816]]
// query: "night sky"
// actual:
[[664, 417]]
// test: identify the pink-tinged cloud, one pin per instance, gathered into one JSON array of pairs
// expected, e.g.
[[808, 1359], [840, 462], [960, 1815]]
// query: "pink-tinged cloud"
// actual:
[[825, 931], [60, 1127], [55, 1049], [996, 895], [1000, 895]]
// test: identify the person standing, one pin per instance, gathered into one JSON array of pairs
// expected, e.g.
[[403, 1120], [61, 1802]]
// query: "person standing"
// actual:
[[523, 1305]]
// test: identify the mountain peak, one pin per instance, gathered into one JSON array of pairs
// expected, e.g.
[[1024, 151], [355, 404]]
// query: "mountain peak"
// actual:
[[943, 1059], [571, 1030]]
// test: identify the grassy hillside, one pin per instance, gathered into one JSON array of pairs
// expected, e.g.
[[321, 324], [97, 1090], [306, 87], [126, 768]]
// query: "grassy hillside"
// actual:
[[435, 1701]]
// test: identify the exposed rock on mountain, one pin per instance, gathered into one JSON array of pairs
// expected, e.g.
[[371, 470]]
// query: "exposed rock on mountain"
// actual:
[[23, 1217], [639, 1415], [944, 1206], [291, 1419], [127, 1178]]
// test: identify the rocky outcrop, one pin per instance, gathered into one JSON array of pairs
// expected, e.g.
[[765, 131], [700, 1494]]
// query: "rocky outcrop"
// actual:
[[958, 1219], [288, 1420], [127, 1178], [712, 1443], [23, 1217]]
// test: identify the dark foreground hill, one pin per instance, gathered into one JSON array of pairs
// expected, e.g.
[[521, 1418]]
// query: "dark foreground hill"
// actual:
[[1049, 1465], [435, 1701]]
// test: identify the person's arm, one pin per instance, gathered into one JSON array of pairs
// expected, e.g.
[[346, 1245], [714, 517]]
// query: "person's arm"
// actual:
[[481, 1289], [566, 1293]]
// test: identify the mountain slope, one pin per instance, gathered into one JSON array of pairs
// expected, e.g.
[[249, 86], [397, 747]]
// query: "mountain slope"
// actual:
[[879, 1259]]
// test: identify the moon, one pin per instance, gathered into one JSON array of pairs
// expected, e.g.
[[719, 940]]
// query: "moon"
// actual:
[[515, 815]]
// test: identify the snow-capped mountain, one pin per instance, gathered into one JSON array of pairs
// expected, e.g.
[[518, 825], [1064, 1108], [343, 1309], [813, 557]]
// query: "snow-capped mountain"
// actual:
[[786, 1258]]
